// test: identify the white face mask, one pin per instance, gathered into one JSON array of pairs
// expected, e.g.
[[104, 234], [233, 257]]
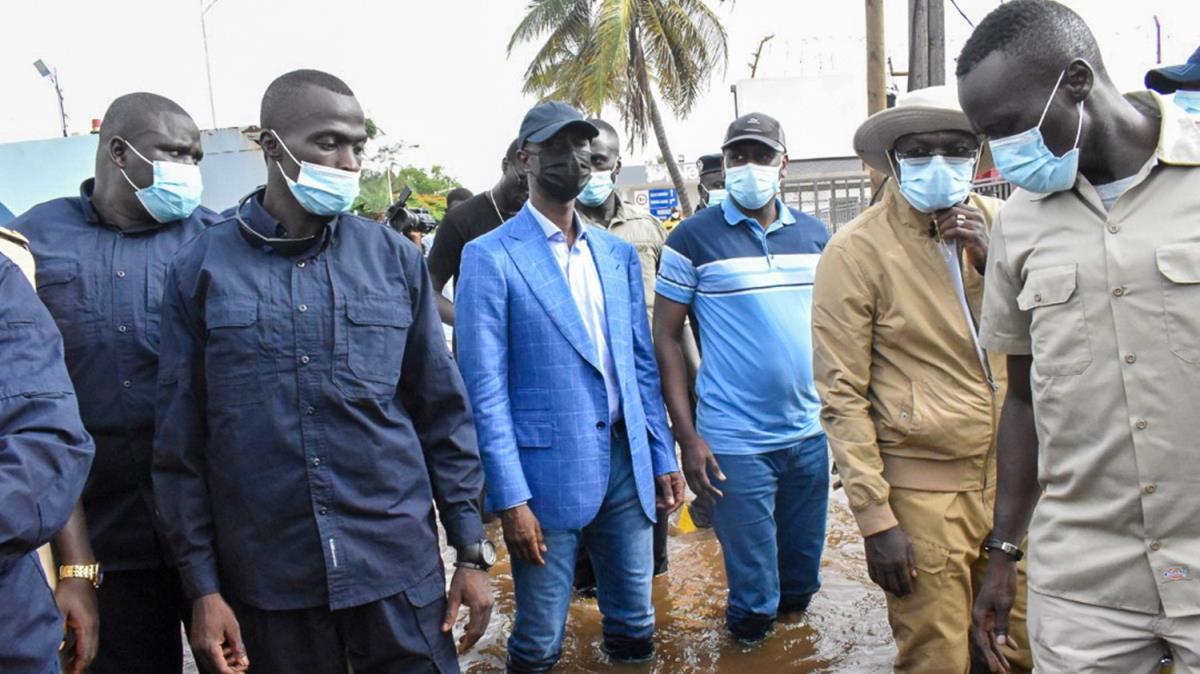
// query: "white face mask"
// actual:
[[1189, 101]]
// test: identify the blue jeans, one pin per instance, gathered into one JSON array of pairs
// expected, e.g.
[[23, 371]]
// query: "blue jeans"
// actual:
[[620, 541], [771, 524]]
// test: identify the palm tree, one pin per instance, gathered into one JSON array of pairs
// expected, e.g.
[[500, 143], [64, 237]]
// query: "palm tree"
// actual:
[[615, 51]]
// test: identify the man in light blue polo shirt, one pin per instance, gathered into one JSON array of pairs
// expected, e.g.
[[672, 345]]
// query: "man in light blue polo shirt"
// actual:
[[744, 268]]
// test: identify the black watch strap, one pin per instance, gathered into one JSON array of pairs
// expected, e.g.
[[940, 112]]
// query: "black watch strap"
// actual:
[[997, 545], [479, 555]]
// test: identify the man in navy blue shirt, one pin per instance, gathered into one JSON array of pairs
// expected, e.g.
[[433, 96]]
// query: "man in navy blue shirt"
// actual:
[[44, 458], [101, 258], [745, 268], [309, 418]]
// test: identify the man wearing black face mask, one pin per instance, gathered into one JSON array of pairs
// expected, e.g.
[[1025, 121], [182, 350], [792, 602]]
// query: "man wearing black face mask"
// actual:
[[471, 219], [554, 345]]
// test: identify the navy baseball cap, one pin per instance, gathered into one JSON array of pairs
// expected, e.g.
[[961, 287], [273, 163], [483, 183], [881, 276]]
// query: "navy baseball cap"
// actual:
[[710, 163], [757, 127], [1167, 79], [546, 119]]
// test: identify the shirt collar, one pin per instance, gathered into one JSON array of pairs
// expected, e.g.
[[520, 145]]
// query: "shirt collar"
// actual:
[[1178, 138], [86, 189], [550, 229], [734, 215], [269, 233]]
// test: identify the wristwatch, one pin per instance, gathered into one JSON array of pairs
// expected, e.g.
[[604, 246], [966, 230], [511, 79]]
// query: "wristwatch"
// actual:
[[89, 572], [997, 545], [479, 555]]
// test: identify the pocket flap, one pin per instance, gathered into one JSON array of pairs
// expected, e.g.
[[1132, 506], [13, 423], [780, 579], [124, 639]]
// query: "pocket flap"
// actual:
[[379, 311], [533, 433], [231, 312], [55, 272], [427, 590], [1046, 287], [531, 399], [930, 557], [1179, 262]]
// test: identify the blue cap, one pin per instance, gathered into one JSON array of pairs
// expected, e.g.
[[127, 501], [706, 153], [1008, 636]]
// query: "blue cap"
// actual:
[[546, 119], [1167, 79]]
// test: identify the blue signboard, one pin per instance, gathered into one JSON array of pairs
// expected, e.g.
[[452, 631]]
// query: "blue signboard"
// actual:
[[662, 202]]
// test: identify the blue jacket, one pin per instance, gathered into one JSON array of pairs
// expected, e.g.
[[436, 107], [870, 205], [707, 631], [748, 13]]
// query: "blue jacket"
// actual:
[[536, 382], [309, 418], [44, 458], [104, 288]]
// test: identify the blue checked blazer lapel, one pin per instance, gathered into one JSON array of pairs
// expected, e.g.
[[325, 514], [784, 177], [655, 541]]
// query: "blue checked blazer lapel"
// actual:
[[614, 280], [529, 250]]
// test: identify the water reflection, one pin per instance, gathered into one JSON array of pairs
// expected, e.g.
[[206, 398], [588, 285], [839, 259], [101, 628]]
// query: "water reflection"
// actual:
[[845, 629]]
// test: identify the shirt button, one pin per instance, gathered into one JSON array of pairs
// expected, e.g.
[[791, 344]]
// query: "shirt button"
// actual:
[[324, 511], [304, 360], [122, 328], [1141, 424], [1114, 228], [316, 462], [1131, 358], [1155, 546], [303, 308], [1118, 292], [127, 384], [1151, 488], [601, 425], [301, 264], [1037, 298], [309, 411], [120, 274]]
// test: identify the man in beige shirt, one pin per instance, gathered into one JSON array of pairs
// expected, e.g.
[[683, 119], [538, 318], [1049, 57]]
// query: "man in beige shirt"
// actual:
[[1093, 289], [910, 402]]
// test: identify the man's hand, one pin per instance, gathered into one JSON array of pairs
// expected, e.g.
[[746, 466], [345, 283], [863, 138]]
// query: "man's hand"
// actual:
[[966, 224], [992, 608], [670, 492], [698, 464], [891, 562], [76, 599], [470, 587], [523, 534], [216, 636]]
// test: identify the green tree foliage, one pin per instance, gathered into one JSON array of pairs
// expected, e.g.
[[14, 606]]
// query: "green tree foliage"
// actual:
[[620, 52], [429, 190]]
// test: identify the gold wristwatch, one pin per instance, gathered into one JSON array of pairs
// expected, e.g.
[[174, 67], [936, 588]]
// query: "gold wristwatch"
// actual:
[[89, 572]]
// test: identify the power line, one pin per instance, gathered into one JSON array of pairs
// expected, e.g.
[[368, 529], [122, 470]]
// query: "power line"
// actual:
[[962, 13]]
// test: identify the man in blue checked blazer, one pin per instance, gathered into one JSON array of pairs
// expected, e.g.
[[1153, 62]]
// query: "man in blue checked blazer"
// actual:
[[554, 346]]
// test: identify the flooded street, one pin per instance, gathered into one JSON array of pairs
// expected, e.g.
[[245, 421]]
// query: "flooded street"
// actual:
[[845, 630]]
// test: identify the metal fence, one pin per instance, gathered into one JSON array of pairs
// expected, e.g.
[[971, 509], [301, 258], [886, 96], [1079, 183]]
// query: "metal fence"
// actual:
[[838, 199]]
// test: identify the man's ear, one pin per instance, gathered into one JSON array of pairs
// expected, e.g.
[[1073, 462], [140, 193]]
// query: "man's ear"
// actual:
[[118, 151], [783, 167], [504, 166], [1080, 79], [616, 170], [523, 161], [270, 144]]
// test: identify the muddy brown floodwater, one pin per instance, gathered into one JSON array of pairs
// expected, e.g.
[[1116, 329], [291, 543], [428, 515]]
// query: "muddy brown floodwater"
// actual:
[[844, 630]]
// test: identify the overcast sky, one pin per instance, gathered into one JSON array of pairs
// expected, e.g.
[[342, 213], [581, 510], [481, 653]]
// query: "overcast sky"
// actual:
[[435, 74]]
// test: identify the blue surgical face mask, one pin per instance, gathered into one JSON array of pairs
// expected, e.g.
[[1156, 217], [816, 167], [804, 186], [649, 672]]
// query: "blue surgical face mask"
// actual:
[[175, 192], [936, 183], [1025, 161], [1189, 101], [716, 197], [752, 185], [597, 190], [321, 190]]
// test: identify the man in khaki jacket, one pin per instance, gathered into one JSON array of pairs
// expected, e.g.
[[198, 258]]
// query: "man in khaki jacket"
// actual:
[[910, 401]]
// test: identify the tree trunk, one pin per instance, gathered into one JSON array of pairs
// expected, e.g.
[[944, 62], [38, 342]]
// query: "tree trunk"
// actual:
[[660, 132]]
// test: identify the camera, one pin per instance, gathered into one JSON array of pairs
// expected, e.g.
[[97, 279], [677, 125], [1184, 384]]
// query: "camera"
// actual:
[[405, 220]]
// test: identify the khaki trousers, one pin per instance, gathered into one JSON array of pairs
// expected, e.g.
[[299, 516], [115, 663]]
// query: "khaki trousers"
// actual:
[[1070, 636], [932, 626]]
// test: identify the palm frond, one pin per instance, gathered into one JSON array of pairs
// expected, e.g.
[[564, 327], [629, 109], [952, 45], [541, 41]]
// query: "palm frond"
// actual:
[[545, 15]]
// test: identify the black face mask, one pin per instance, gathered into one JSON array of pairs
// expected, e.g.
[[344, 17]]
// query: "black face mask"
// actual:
[[562, 175]]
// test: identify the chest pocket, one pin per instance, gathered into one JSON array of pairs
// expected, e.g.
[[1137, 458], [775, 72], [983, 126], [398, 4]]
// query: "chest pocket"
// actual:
[[376, 331], [233, 353], [61, 287], [1059, 329], [1179, 265]]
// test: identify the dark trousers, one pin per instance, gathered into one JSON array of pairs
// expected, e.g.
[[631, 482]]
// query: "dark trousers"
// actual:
[[140, 617], [389, 636]]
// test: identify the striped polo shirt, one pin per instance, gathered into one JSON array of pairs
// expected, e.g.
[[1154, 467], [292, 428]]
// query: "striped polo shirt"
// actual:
[[751, 293]]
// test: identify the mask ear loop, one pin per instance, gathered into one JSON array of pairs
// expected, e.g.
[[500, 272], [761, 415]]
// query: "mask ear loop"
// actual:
[[140, 156], [1079, 129], [289, 154]]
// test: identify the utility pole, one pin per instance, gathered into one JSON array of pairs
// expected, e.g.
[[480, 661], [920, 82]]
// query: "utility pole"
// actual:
[[212, 104], [1157, 41], [52, 75], [876, 68], [926, 43]]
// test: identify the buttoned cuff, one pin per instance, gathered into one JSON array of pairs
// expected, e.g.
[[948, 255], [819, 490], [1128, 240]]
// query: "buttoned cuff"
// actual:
[[1013, 346], [199, 580], [875, 518]]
